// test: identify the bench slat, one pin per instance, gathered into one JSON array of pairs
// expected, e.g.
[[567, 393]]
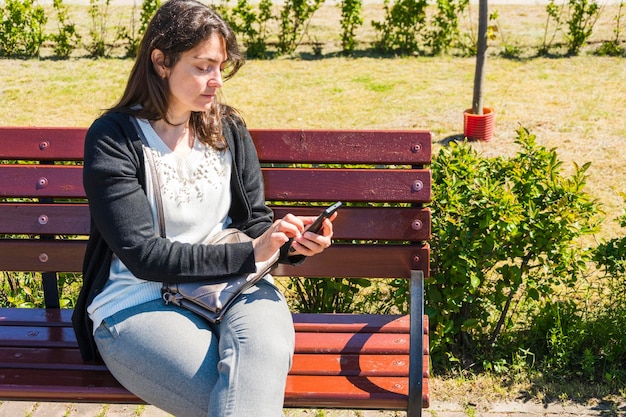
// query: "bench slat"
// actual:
[[348, 146], [287, 145], [302, 391], [361, 185], [337, 261], [44, 219], [284, 184], [303, 322], [336, 343], [363, 223], [62, 359], [42, 143]]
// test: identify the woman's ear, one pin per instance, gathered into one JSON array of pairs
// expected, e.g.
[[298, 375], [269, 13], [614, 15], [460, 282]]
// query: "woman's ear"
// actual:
[[158, 62]]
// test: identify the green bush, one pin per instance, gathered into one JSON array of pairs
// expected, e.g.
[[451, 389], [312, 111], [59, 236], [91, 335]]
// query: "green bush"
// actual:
[[294, 20], [582, 19], [251, 25], [67, 39], [505, 237], [350, 21], [402, 28], [22, 28]]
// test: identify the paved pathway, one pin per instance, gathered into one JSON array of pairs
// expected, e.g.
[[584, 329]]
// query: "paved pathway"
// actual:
[[438, 409]]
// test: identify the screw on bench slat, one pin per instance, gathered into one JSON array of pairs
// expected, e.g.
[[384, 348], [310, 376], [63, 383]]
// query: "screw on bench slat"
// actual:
[[42, 183]]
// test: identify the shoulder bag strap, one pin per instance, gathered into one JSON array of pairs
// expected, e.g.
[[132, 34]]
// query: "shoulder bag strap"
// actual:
[[153, 174]]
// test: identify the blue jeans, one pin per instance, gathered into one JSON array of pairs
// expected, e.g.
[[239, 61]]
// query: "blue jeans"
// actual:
[[179, 362]]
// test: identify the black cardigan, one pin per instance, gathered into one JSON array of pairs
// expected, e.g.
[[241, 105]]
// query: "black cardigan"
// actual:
[[122, 221]]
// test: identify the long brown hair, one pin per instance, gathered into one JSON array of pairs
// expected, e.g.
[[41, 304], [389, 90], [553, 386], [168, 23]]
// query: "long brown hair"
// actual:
[[178, 26]]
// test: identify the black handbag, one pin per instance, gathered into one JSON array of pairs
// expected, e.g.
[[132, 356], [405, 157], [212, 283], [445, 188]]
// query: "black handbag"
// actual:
[[209, 299]]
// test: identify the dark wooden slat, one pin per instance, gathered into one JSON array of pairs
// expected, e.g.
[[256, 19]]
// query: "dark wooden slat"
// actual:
[[42, 255], [302, 391], [363, 185], [358, 146], [59, 359], [44, 219], [56, 337], [339, 343], [364, 261], [42, 143], [362, 223], [35, 317], [285, 184], [369, 223], [74, 385], [321, 146], [303, 322], [24, 181], [303, 364]]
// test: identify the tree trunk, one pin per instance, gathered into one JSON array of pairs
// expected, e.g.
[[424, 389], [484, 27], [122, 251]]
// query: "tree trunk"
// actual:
[[481, 56]]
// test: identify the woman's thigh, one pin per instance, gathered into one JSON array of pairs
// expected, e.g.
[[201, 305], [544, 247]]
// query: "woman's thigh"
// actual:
[[179, 362], [256, 340], [165, 355]]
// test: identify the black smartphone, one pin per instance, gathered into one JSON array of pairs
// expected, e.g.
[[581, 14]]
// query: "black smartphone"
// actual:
[[317, 224]]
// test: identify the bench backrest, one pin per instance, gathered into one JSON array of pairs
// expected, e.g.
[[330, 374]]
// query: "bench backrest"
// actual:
[[44, 212]]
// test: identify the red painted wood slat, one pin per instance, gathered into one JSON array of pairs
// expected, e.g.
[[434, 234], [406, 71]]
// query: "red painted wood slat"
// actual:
[[289, 145], [362, 261], [284, 184], [362, 223], [302, 391]]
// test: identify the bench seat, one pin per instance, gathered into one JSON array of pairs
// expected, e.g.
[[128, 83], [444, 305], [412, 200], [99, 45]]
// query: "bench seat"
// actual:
[[363, 357]]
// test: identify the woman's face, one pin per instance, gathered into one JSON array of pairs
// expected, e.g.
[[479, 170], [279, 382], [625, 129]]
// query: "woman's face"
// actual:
[[196, 77]]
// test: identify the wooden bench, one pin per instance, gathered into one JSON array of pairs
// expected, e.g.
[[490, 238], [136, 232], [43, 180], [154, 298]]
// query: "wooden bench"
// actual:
[[351, 361]]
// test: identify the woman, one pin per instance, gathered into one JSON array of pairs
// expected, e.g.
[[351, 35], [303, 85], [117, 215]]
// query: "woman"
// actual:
[[210, 179]]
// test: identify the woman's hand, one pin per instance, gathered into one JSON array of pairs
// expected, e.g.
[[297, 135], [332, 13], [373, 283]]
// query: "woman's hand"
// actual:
[[310, 243], [292, 227]]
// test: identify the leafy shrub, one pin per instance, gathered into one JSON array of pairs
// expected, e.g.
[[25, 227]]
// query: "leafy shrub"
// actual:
[[614, 47], [251, 25], [99, 14], [554, 14], [504, 237], [22, 28], [582, 19], [402, 27], [67, 39], [131, 35], [293, 21], [350, 21], [445, 32]]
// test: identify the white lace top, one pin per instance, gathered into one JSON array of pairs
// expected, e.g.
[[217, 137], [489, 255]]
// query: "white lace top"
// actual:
[[196, 199]]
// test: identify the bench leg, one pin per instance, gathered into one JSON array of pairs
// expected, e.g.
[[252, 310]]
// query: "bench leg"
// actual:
[[50, 289], [416, 361]]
